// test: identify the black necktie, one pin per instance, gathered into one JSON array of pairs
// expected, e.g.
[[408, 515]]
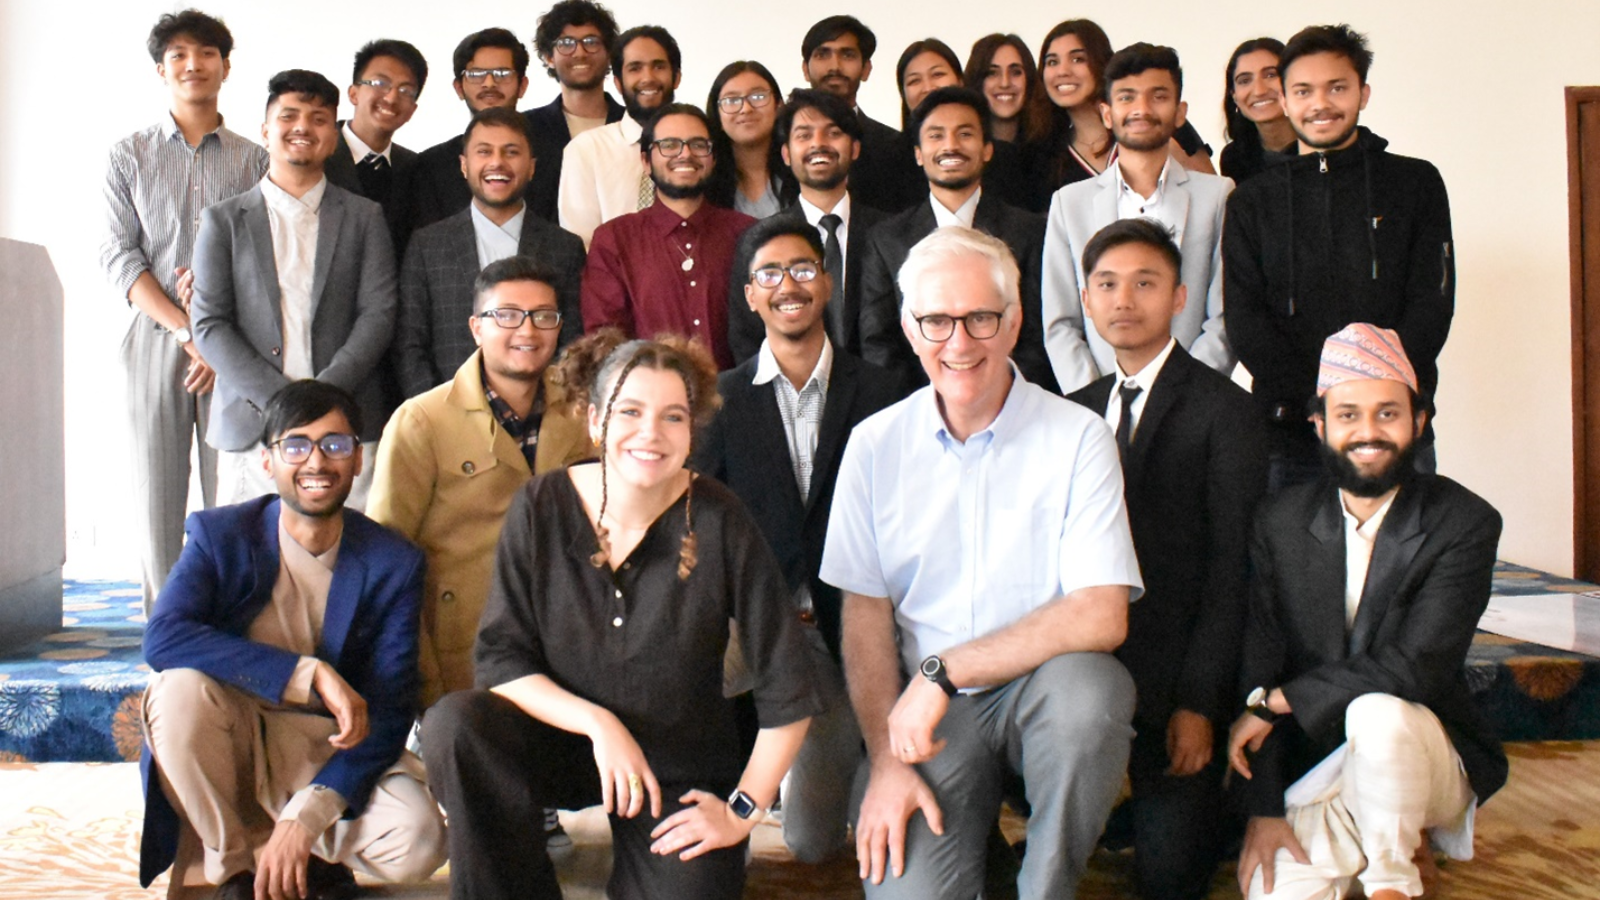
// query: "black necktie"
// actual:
[[375, 176], [1129, 392], [833, 263]]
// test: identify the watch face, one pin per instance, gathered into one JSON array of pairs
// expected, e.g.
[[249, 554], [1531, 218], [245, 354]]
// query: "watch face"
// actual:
[[932, 666], [1258, 697], [741, 805]]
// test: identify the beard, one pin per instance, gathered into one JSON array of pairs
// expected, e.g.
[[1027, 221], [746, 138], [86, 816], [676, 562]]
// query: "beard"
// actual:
[[956, 183], [1402, 466], [1330, 144], [1147, 144], [642, 114], [681, 191]]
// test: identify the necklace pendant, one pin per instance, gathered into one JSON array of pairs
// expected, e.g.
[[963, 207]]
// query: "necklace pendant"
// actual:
[[688, 264]]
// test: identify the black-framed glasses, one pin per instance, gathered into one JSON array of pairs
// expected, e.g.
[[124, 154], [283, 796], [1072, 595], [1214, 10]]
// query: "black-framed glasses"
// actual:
[[772, 275], [296, 448], [980, 325], [735, 102], [477, 76], [672, 148], [511, 317], [566, 46], [384, 86]]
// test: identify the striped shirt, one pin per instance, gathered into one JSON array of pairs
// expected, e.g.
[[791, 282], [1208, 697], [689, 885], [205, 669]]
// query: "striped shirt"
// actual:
[[156, 185]]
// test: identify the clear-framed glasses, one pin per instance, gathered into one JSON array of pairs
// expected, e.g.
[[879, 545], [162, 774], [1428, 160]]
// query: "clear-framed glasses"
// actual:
[[980, 325], [593, 43], [771, 276], [735, 102], [672, 148], [384, 86], [476, 76], [511, 317], [296, 448]]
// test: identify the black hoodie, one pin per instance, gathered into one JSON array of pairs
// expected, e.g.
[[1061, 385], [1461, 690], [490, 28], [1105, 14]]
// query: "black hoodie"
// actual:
[[1325, 239]]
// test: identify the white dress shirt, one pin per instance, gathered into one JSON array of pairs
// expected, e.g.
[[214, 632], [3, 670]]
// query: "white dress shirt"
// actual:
[[496, 242], [943, 218], [1145, 379], [814, 214], [1359, 539], [359, 148], [600, 177], [800, 410], [1159, 206], [293, 222]]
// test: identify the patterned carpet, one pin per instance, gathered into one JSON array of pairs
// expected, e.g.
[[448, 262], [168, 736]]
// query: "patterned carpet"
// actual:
[[70, 831]]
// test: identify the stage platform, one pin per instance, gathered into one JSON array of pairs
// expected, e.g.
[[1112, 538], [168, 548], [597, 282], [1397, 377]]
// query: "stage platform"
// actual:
[[75, 695]]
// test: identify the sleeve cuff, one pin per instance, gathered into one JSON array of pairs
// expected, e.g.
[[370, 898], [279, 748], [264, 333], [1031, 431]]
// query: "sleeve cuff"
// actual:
[[298, 691], [315, 808]]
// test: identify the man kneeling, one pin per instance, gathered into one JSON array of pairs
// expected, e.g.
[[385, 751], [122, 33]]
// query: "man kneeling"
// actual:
[[1366, 593], [285, 647]]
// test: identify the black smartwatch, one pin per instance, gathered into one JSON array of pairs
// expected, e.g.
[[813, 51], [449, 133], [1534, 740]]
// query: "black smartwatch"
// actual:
[[742, 805], [1256, 705], [933, 669]]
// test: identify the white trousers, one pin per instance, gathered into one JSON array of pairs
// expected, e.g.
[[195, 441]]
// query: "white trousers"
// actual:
[[1400, 776]]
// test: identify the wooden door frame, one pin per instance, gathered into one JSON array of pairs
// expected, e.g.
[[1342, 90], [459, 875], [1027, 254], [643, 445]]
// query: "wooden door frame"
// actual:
[[1585, 345]]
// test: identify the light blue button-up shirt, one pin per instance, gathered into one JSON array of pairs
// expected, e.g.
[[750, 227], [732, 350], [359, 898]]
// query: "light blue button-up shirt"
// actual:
[[967, 538]]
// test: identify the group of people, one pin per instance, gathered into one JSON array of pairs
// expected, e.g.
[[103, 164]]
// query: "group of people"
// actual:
[[700, 462]]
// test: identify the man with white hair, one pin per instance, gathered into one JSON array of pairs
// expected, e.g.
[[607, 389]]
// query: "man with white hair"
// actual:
[[979, 534]]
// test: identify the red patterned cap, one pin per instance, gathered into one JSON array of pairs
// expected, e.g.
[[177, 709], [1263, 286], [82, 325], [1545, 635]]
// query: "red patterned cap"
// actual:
[[1362, 352]]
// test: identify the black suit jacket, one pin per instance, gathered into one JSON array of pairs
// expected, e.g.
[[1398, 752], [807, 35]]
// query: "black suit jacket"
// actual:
[[746, 448], [341, 170], [882, 340], [436, 295], [548, 125], [886, 175], [1429, 581], [1193, 474], [745, 329]]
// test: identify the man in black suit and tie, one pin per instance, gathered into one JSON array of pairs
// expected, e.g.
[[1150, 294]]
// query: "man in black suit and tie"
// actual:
[[954, 144], [819, 136], [1193, 467], [796, 402], [573, 40], [384, 88], [1364, 744], [444, 259], [836, 56]]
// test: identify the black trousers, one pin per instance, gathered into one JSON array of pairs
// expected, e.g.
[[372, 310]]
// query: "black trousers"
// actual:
[[1179, 825], [495, 769]]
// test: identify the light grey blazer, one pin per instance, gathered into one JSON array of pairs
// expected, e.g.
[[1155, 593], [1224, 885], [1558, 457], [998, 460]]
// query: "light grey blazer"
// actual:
[[1077, 213], [238, 316]]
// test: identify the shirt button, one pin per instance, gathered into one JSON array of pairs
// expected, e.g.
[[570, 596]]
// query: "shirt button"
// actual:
[[619, 595], [277, 351], [627, 565], [617, 622], [696, 321], [468, 467], [448, 597]]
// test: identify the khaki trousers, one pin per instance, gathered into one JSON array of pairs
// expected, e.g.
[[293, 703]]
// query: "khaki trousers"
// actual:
[[230, 762]]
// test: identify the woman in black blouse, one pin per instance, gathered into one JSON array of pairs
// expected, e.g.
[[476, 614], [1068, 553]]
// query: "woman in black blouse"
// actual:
[[1258, 128], [602, 649]]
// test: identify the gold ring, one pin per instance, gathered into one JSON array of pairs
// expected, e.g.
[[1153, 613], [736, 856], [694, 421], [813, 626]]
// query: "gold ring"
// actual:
[[635, 784]]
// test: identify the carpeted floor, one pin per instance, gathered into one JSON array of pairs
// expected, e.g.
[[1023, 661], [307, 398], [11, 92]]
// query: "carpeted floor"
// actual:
[[70, 831]]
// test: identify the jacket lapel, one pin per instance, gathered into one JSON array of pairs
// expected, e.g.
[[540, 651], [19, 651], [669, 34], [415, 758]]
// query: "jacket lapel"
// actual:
[[463, 253], [1105, 199], [769, 440], [1398, 540], [254, 209], [836, 411], [1178, 188], [1322, 578], [329, 216], [1163, 395], [344, 595]]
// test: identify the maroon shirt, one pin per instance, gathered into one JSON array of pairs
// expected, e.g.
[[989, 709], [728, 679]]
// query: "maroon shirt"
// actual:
[[635, 277]]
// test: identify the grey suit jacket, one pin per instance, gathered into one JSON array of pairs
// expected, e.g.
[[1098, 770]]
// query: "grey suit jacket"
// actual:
[[238, 316], [436, 294], [1077, 213]]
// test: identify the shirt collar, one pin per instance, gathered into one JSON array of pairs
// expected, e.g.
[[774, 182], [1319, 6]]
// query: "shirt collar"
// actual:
[[1146, 377], [169, 127], [630, 130], [664, 219], [285, 202], [1369, 528], [962, 216], [767, 366], [512, 227], [814, 213], [359, 148], [1161, 181], [1004, 424]]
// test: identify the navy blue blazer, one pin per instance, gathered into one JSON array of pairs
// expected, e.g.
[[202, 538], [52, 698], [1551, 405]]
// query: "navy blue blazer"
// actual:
[[223, 580]]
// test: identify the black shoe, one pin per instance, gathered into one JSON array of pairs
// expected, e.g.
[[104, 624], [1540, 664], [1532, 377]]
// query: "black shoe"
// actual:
[[329, 881], [240, 887]]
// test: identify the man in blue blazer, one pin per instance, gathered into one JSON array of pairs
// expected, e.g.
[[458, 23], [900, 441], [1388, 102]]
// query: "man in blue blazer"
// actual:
[[294, 278], [285, 650], [1144, 89]]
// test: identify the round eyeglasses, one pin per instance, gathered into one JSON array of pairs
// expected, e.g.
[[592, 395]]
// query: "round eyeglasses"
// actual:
[[980, 325], [511, 317], [296, 448], [735, 102], [771, 276]]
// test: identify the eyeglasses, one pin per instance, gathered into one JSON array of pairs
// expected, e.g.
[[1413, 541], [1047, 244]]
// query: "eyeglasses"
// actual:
[[672, 148], [511, 317], [296, 448], [384, 86], [733, 102], [980, 325], [476, 76], [591, 44], [771, 276]]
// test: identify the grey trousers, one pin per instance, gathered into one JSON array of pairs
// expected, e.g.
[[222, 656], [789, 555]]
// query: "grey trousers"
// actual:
[[816, 794], [164, 422], [1065, 729]]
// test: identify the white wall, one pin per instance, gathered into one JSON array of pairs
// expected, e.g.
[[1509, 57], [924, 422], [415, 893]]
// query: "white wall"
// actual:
[[1480, 95]]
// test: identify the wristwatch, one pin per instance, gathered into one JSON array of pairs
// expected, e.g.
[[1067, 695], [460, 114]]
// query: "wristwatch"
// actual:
[[1256, 705], [742, 805], [183, 335], [933, 669]]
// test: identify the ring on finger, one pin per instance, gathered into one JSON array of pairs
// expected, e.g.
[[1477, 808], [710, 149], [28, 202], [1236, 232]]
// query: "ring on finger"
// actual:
[[635, 784]]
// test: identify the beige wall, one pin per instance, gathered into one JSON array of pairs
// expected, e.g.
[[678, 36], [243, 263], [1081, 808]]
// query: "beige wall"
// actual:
[[1480, 96]]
